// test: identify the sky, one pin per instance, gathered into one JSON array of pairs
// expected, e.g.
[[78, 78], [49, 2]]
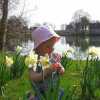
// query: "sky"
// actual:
[[56, 11]]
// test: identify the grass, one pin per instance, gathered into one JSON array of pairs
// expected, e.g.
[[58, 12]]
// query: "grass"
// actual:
[[16, 89]]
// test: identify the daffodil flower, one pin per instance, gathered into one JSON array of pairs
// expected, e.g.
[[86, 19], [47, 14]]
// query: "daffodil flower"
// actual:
[[18, 48], [31, 59], [44, 61], [70, 50], [9, 61], [93, 51]]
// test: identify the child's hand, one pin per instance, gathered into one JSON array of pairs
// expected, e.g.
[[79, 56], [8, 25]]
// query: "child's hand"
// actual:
[[58, 67], [55, 63], [62, 70]]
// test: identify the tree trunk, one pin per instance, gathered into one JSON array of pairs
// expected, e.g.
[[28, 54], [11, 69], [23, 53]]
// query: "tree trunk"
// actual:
[[3, 25]]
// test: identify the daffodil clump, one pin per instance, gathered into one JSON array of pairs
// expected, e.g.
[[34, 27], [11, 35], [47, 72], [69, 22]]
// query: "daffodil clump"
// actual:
[[5, 71], [44, 62], [66, 57], [32, 60]]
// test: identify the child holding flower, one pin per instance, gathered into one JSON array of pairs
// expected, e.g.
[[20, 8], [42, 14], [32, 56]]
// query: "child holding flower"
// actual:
[[44, 40]]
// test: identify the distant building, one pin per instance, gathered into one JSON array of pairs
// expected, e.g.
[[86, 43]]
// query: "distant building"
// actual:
[[91, 30]]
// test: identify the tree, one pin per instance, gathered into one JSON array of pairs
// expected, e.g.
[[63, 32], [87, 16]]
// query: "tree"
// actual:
[[80, 14], [3, 23], [1, 8], [18, 34], [18, 24], [5, 5]]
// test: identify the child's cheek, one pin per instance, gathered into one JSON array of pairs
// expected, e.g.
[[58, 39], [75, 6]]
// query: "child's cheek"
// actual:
[[48, 50]]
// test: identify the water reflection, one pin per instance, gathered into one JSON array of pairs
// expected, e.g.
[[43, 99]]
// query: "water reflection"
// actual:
[[61, 46]]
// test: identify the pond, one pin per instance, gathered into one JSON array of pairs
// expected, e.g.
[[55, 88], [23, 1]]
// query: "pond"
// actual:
[[59, 47]]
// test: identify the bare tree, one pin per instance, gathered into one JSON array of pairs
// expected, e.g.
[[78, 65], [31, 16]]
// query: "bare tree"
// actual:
[[5, 6], [1, 8], [3, 23]]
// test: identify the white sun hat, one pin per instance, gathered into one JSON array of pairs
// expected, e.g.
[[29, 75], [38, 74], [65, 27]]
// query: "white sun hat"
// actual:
[[42, 34]]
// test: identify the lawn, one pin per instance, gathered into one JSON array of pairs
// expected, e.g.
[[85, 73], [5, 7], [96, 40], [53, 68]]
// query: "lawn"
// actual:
[[70, 82], [16, 89]]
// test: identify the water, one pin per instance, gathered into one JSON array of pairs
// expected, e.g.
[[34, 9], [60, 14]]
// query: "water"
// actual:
[[60, 47], [27, 47]]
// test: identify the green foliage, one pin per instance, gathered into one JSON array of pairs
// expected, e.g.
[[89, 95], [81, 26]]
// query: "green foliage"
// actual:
[[4, 73], [8, 73], [83, 84], [90, 79], [18, 66], [53, 88], [65, 61]]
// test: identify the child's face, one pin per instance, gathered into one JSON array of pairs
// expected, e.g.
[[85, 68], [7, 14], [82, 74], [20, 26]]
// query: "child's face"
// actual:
[[46, 47]]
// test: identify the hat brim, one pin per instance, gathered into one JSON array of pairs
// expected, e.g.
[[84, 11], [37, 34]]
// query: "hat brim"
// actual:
[[55, 37]]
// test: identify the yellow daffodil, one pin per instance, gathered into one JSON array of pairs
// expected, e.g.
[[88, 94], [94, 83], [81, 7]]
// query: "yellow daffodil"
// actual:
[[9, 61], [44, 61], [31, 59], [70, 50], [93, 51], [98, 52]]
